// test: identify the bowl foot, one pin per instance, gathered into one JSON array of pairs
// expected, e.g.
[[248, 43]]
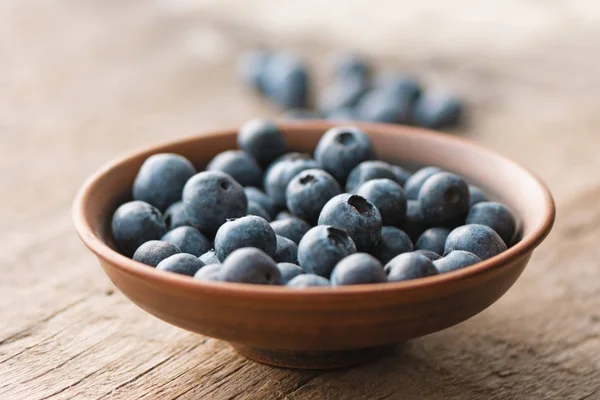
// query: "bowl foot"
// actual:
[[313, 359]]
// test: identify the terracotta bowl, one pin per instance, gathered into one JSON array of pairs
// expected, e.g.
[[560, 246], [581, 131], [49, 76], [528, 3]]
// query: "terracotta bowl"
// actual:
[[322, 327]]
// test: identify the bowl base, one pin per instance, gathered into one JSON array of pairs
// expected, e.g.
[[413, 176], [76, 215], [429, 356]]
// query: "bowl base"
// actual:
[[313, 359]]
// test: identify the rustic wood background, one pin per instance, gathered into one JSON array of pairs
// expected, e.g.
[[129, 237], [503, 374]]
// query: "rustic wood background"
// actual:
[[84, 81]]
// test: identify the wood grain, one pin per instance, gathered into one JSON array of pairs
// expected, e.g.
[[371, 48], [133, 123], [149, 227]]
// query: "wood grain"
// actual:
[[84, 81]]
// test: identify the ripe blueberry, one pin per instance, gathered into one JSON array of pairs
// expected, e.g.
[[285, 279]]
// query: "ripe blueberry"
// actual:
[[454, 260], [388, 197], [416, 180], [250, 265], [262, 139], [393, 242], [444, 198], [185, 264], [289, 271], [480, 240], [135, 223], [357, 269], [292, 228], [282, 171], [287, 251], [240, 165], [495, 215], [189, 240], [308, 280], [248, 231], [433, 239], [409, 266], [309, 191], [322, 248], [154, 251]]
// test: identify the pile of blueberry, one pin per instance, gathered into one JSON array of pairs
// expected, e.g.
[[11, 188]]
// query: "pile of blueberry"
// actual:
[[352, 93], [262, 215]]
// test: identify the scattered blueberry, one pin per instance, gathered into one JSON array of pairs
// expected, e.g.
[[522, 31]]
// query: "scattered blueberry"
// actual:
[[357, 269], [342, 114], [292, 228], [154, 251], [454, 260], [308, 280], [255, 209], [250, 265], [495, 215], [287, 81], [432, 255], [401, 87], [351, 65], [409, 266], [211, 197], [300, 114], [309, 191], [402, 175], [175, 216], [289, 271], [414, 224], [287, 251], [355, 214], [476, 195], [248, 231], [185, 264], [433, 239], [135, 223], [444, 198], [342, 94], [259, 197], [161, 178], [240, 165], [388, 197], [342, 148], [416, 180], [383, 106], [393, 242], [210, 257], [210, 272], [480, 240], [189, 240], [366, 171], [252, 69], [322, 248], [437, 111], [281, 172], [262, 139]]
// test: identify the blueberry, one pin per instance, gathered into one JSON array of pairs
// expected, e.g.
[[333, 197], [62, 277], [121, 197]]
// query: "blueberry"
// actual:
[[135, 223], [496, 216], [292, 228], [287, 251], [383, 106], [476, 195], [289, 271], [444, 198], [357, 269], [248, 231], [342, 114], [175, 216], [280, 173], [414, 224], [240, 165], [400, 86], [251, 69], [388, 197], [432, 255], [250, 265], [401, 174], [393, 242], [262, 139], [454, 260], [210, 257], [161, 178], [409, 266], [437, 111], [210, 272], [416, 180], [256, 209], [366, 171], [287, 81], [154, 251], [259, 197], [480, 240], [308, 280], [309, 191], [351, 65], [211, 198], [342, 94], [189, 240], [285, 214], [433, 239], [342, 148], [185, 264], [322, 248], [359, 217], [300, 114]]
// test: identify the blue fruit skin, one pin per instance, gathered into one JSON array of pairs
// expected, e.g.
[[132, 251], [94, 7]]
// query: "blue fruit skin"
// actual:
[[240, 165], [401, 174], [257, 210], [281, 172], [284, 215], [341, 94], [480, 240], [135, 223], [342, 114], [360, 218], [175, 216], [210, 272], [432, 255], [350, 65], [210, 198], [444, 198], [300, 114], [366, 171], [262, 139], [259, 197], [292, 228], [454, 260], [433, 239], [308, 280], [248, 231], [476, 195], [384, 106], [388, 197], [250, 265], [400, 86], [409, 266], [416, 180], [287, 81], [342, 148], [287, 251], [189, 240], [495, 215], [309, 191], [251, 69], [358, 269], [393, 242], [154, 251], [322, 248], [210, 257], [436, 111], [184, 264], [414, 224], [289, 271], [161, 178]]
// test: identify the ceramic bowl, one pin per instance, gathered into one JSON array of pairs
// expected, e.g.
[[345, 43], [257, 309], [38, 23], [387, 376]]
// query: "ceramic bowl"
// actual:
[[322, 327]]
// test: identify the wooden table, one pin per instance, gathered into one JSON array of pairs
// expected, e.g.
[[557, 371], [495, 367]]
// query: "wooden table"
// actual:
[[83, 81]]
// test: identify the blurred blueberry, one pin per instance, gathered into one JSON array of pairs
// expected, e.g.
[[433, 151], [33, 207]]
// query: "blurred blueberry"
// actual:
[[433, 239], [409, 266], [414, 224], [210, 272], [402, 175], [366, 171], [184, 264], [342, 115], [432, 255], [393, 242], [154, 251], [289, 271], [251, 68], [454, 260], [308, 280], [495, 215], [341, 94], [255, 209], [286, 251], [437, 110], [480, 240], [476, 195], [351, 65], [262, 199], [262, 139], [416, 180], [285, 214], [287, 81], [300, 114], [382, 106], [210, 257], [175, 216], [240, 165], [401, 87], [292, 228]]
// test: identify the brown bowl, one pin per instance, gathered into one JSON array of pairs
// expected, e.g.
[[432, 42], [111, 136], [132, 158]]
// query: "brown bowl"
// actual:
[[322, 327]]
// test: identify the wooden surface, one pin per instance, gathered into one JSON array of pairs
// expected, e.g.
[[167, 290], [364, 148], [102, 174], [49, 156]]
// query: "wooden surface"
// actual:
[[84, 81]]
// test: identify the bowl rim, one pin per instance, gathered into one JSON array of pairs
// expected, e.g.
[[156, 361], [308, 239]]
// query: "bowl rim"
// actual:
[[84, 228]]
